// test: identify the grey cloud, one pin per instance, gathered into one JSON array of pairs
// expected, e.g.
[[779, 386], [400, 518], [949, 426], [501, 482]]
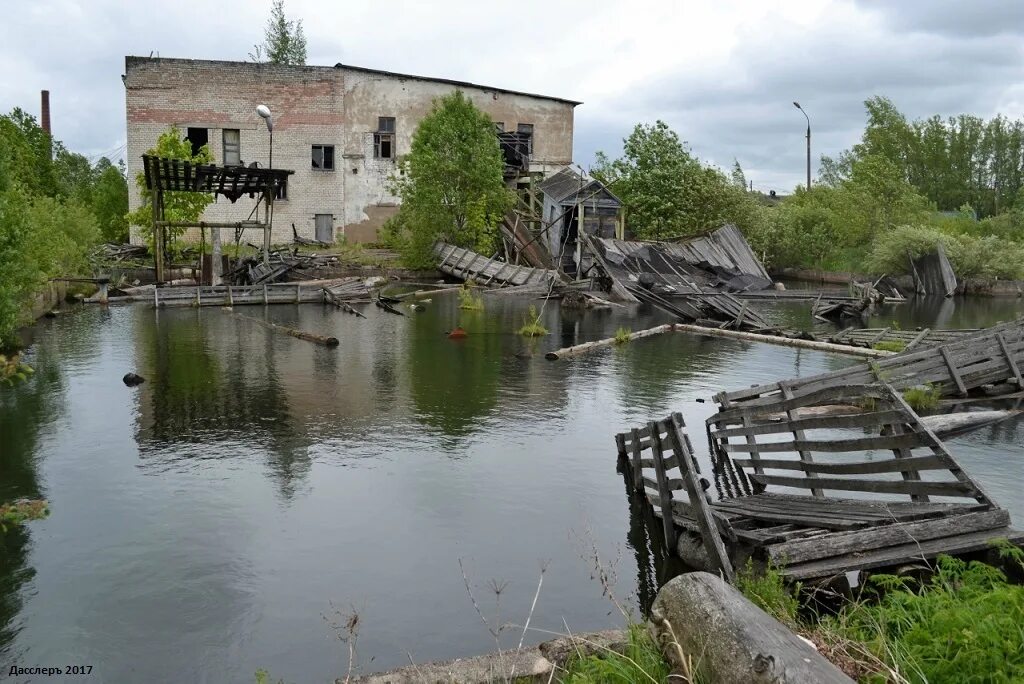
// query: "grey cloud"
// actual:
[[977, 18]]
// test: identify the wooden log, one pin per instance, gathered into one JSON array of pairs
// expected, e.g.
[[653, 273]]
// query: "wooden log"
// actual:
[[783, 341], [948, 424], [300, 334], [344, 306], [598, 344], [826, 546], [734, 640]]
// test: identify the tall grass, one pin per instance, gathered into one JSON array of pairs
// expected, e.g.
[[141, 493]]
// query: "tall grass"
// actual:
[[640, 662]]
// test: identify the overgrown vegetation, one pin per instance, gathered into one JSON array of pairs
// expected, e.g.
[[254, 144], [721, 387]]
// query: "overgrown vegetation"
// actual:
[[180, 207], [623, 335], [54, 206], [470, 301], [532, 327], [451, 184], [21, 511], [962, 624], [923, 398], [891, 346], [641, 662], [12, 370]]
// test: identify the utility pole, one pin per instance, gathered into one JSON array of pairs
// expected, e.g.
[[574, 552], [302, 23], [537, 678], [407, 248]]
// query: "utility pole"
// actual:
[[797, 105]]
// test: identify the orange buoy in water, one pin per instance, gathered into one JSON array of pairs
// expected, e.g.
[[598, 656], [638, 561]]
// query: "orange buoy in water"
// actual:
[[457, 334]]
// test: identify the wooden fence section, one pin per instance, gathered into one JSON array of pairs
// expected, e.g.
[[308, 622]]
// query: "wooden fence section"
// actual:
[[817, 495], [343, 289], [907, 339], [466, 264], [993, 355]]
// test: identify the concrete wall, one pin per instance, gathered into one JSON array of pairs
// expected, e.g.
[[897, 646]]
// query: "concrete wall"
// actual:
[[336, 106]]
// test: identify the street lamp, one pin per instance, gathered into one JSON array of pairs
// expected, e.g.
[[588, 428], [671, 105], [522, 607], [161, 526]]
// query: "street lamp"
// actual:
[[264, 112], [797, 105]]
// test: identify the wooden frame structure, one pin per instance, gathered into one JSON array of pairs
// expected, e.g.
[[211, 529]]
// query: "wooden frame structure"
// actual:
[[462, 263], [175, 175], [882, 514]]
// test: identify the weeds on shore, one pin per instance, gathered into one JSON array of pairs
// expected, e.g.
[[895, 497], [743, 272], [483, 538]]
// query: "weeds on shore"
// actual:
[[641, 662], [960, 625], [12, 370], [21, 511]]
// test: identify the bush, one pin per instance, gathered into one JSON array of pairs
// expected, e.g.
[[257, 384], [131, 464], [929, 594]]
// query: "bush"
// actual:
[[971, 257]]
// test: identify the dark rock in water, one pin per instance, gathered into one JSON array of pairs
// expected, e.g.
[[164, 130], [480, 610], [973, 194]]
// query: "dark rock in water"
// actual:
[[131, 379]]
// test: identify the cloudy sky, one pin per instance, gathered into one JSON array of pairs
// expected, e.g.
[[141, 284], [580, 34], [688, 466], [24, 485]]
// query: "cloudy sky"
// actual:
[[722, 73]]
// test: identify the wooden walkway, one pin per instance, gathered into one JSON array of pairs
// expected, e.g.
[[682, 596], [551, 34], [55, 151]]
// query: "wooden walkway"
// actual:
[[880, 469], [908, 339], [466, 264], [332, 291]]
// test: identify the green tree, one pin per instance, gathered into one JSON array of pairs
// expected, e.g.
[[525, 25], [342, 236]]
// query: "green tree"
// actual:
[[284, 41], [110, 200], [178, 206], [667, 191], [452, 182]]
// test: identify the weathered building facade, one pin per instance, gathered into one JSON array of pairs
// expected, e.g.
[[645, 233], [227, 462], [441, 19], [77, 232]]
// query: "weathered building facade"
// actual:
[[341, 129]]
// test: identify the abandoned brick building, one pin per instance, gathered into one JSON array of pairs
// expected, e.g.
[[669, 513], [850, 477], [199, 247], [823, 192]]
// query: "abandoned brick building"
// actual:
[[341, 129]]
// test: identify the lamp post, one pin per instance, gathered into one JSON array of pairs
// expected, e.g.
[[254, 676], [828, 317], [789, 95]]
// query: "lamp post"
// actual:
[[797, 105], [264, 112]]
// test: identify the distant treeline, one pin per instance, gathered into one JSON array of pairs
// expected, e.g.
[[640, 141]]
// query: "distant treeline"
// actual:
[[904, 188], [54, 207]]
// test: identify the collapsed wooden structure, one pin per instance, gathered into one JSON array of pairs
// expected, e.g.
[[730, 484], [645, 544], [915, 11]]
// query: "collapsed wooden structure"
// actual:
[[821, 493], [340, 291], [466, 264], [165, 175], [896, 339]]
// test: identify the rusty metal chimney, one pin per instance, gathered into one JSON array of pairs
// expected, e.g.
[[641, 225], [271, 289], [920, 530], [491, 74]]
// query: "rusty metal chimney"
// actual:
[[44, 111]]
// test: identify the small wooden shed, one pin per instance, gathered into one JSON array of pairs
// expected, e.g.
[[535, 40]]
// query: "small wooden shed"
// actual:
[[575, 202]]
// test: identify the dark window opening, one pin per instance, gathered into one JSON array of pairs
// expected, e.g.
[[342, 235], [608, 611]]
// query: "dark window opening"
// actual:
[[499, 126], [323, 157], [282, 191], [526, 130], [384, 138], [198, 137], [232, 147]]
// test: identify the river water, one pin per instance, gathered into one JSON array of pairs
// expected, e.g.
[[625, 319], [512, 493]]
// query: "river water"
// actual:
[[257, 487]]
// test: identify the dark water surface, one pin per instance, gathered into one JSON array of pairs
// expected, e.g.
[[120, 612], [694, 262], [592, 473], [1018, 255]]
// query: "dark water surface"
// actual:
[[204, 523]]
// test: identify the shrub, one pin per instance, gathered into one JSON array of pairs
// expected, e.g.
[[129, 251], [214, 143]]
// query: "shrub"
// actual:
[[21, 511]]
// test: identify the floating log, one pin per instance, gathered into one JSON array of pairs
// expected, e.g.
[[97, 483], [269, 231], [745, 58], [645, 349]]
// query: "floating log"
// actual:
[[598, 344], [301, 334], [784, 341], [387, 307], [947, 424], [344, 306]]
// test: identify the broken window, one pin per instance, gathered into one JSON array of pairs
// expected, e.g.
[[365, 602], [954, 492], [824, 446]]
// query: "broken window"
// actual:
[[232, 147], [526, 130], [323, 157], [197, 137], [384, 138], [499, 126], [282, 191]]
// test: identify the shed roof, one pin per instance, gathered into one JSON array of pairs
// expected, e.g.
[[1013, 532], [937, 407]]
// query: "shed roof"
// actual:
[[568, 184]]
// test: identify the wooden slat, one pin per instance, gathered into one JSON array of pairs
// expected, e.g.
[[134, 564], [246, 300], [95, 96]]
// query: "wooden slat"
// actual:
[[953, 373], [881, 536], [853, 420], [886, 442], [886, 465], [705, 519], [799, 436], [636, 462], [1010, 362], [878, 486], [961, 543], [665, 495], [917, 340]]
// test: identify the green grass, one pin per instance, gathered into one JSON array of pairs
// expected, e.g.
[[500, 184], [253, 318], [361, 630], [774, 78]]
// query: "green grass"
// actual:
[[470, 301], [924, 398], [768, 590], [532, 326], [893, 346], [641, 662], [622, 335]]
